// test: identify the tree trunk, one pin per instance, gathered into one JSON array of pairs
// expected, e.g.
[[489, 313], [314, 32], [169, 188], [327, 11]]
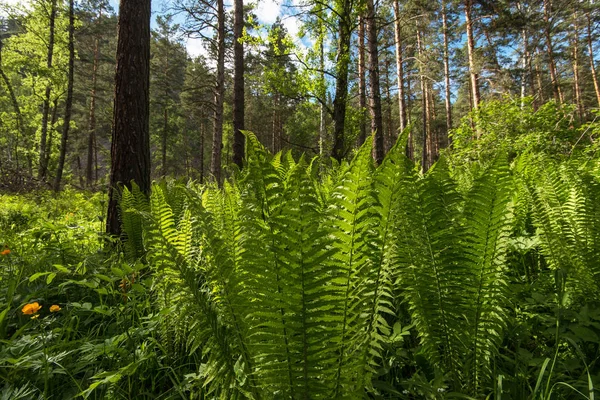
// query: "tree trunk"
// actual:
[[390, 136], [591, 54], [400, 75], [524, 61], [424, 105], [471, 53], [323, 115], [92, 122], [69, 102], [201, 161], [538, 78], [576, 78], [217, 145], [130, 151], [165, 132], [558, 97], [446, 71], [238, 84], [362, 92], [341, 81], [374, 84], [43, 164]]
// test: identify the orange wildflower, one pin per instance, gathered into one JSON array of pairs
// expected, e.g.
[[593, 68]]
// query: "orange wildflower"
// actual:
[[5, 252], [31, 308], [55, 308]]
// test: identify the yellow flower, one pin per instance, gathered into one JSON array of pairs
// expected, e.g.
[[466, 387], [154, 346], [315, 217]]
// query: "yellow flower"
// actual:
[[31, 308], [55, 308], [5, 252]]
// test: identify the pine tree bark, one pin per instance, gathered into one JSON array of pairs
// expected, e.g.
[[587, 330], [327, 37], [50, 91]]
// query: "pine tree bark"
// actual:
[[591, 55], [92, 119], [447, 99], [400, 69], [424, 105], [69, 101], [576, 76], [217, 145], [474, 77], [557, 92], [362, 92], [238, 84], [341, 81], [374, 84], [44, 148], [130, 150]]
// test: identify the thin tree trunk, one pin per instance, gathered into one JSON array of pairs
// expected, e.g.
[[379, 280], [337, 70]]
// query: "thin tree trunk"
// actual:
[[591, 55], [92, 121], [362, 92], [471, 53], [400, 70], [424, 105], [69, 102], [374, 84], [576, 78], [390, 136], [130, 151], [43, 165], [51, 131], [558, 96], [165, 132], [446, 71], [538, 76], [201, 161], [238, 84], [217, 145], [524, 63], [323, 115], [341, 81]]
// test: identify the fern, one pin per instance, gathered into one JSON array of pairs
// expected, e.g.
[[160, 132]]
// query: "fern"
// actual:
[[488, 225]]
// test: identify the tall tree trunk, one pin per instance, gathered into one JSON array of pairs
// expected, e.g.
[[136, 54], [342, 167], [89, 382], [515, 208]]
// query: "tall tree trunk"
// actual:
[[165, 132], [446, 71], [238, 83], [576, 78], [130, 151], [43, 164], [474, 77], [390, 136], [374, 84], [322, 113], [424, 105], [92, 121], [538, 77], [51, 131], [362, 90], [400, 75], [341, 81], [591, 55], [201, 161], [69, 102], [558, 97], [524, 63], [217, 145]]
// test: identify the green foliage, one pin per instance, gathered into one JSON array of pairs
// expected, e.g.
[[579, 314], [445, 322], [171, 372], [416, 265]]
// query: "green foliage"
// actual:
[[289, 282]]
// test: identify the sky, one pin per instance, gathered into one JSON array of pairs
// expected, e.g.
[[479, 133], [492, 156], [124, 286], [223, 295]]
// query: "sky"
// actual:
[[267, 12]]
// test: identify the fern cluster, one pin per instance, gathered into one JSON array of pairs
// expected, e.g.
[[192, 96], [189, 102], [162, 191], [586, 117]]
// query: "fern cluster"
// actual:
[[286, 282]]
